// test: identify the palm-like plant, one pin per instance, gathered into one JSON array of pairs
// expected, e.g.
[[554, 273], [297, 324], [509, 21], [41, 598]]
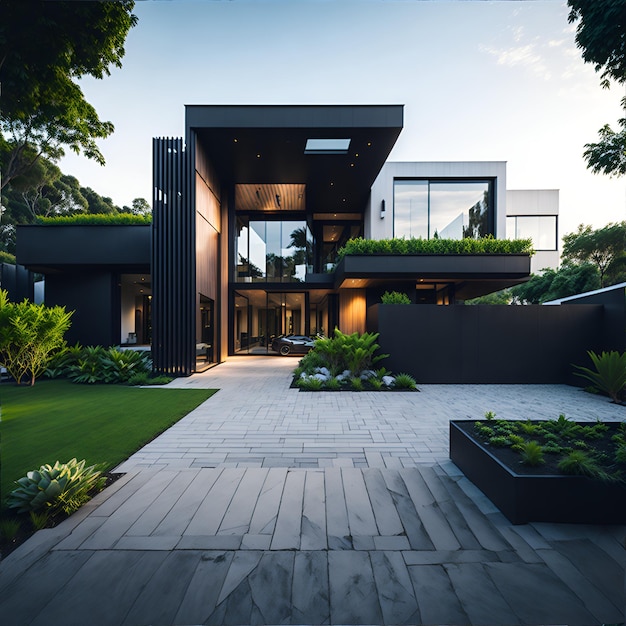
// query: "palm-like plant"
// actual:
[[609, 375]]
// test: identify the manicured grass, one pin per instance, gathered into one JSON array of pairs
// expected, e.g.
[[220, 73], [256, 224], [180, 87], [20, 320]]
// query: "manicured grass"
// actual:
[[59, 420]]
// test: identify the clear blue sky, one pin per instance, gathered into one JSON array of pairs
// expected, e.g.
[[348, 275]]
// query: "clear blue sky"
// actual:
[[479, 80]]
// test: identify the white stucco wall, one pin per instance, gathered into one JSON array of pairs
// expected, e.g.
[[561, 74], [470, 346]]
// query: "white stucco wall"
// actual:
[[382, 189]]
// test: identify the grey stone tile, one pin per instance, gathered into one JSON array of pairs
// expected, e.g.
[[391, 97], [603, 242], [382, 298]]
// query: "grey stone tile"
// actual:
[[236, 520], [200, 599], [149, 607], [336, 512], [360, 515], [481, 600], [243, 563], [210, 513], [310, 591], [266, 509], [177, 519], [271, 587], [391, 543], [435, 557], [387, 518], [436, 598], [20, 605], [313, 530], [256, 542], [552, 601], [394, 587], [353, 595], [595, 599], [413, 527], [289, 521], [209, 542]]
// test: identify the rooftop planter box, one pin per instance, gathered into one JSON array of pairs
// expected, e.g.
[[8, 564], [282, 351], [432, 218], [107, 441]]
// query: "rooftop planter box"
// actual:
[[432, 266], [535, 497], [49, 246]]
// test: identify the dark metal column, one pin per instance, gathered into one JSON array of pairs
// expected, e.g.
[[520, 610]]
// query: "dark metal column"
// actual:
[[173, 260]]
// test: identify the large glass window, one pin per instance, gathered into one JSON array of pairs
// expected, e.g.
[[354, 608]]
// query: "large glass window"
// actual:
[[542, 229], [447, 209], [273, 251]]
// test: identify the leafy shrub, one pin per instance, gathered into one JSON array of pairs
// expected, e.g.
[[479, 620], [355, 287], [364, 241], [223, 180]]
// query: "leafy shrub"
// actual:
[[499, 441], [356, 383], [29, 336], [96, 219], [375, 384], [7, 257], [96, 364], [486, 245], [62, 487], [333, 384], [404, 381], [310, 384], [580, 463], [395, 297], [144, 378], [531, 453], [342, 352], [609, 375], [9, 529]]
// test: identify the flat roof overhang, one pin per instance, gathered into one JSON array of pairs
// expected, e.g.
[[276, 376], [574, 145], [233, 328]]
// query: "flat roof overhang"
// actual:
[[84, 247], [472, 274], [266, 144]]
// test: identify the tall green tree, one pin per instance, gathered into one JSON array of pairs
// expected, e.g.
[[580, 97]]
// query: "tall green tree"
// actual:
[[45, 46], [601, 35], [603, 248]]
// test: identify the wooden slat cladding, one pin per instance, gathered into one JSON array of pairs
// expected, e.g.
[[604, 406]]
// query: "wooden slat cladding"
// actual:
[[352, 310], [280, 197], [173, 260]]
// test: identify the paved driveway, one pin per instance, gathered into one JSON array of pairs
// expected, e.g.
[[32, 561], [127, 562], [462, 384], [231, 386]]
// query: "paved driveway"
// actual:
[[270, 506]]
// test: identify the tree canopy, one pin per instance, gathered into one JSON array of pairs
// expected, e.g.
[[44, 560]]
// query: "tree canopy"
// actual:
[[601, 35], [45, 47], [604, 248]]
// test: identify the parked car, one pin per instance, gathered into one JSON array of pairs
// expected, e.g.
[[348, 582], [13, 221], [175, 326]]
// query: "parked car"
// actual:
[[292, 344]]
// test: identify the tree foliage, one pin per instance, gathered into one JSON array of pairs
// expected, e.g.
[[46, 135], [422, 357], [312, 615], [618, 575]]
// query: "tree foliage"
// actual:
[[44, 48], [601, 35], [608, 154], [29, 336], [602, 247], [568, 280]]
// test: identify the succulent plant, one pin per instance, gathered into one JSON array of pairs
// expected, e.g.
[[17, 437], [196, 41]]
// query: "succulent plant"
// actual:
[[63, 486]]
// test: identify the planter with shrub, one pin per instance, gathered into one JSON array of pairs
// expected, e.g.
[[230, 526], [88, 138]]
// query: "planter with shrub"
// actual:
[[346, 363], [546, 471]]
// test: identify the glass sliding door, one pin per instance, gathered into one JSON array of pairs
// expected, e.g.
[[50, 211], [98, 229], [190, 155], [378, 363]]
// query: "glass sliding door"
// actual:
[[261, 316]]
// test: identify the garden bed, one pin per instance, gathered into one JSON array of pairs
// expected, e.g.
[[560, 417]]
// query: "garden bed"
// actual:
[[541, 493]]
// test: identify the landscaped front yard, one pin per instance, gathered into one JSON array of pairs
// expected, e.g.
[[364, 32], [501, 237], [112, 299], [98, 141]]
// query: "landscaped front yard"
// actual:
[[103, 424]]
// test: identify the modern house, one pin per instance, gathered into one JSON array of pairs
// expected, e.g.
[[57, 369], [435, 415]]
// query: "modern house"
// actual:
[[250, 210]]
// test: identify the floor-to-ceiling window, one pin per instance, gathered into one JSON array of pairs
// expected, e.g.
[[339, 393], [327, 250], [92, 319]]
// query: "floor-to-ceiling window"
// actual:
[[272, 251], [451, 209]]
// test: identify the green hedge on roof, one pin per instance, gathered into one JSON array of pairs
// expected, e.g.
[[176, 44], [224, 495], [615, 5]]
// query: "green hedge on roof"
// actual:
[[96, 219], [7, 257], [487, 245]]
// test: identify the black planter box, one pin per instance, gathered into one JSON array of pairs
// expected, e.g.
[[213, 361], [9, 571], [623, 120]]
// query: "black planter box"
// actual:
[[536, 498]]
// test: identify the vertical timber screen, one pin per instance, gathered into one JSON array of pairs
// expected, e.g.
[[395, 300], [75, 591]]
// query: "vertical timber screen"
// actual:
[[173, 260]]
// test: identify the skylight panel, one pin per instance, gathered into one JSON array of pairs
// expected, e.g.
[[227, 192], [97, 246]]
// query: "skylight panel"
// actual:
[[327, 146]]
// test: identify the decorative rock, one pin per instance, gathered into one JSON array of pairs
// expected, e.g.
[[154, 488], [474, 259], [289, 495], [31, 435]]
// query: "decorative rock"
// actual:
[[389, 381]]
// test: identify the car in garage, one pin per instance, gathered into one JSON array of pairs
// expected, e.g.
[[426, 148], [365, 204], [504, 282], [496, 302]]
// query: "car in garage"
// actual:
[[292, 344]]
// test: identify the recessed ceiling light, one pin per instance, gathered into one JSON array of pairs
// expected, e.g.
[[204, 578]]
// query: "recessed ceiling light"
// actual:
[[235, 140], [258, 156]]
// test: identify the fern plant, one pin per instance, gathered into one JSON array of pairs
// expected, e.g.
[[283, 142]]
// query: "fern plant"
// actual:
[[609, 374], [395, 297]]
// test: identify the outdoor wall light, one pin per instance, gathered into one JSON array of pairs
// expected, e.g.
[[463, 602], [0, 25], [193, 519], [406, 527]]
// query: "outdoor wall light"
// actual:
[[382, 209]]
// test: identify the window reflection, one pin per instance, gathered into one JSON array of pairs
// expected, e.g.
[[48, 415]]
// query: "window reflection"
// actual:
[[273, 251], [540, 228], [449, 210]]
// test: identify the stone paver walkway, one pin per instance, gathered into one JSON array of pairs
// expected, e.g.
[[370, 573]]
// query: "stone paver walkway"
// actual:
[[270, 506]]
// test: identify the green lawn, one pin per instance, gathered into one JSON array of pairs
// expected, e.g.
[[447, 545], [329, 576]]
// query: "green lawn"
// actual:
[[59, 420]]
